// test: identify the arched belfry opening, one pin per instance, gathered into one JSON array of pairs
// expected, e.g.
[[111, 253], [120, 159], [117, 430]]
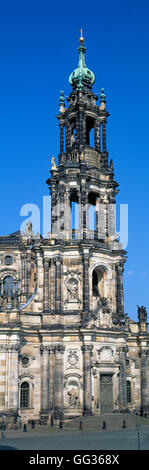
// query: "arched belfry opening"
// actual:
[[74, 206], [92, 215], [89, 131], [73, 135]]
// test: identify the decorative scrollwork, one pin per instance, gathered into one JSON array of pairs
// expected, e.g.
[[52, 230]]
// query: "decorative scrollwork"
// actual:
[[10, 347], [87, 348]]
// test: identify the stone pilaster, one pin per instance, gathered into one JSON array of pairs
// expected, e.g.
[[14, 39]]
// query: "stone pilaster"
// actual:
[[24, 277], [46, 285], [86, 281], [39, 295], [120, 295], [12, 366], [23, 299], [3, 379], [81, 130], [45, 350], [52, 377], [87, 379], [97, 218], [101, 220], [52, 283], [58, 382], [28, 272], [53, 209], [123, 378], [97, 135], [104, 136], [68, 137], [144, 380], [58, 263], [61, 138], [84, 206], [67, 215]]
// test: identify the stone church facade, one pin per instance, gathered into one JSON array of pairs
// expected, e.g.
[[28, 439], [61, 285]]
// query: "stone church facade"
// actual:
[[66, 346]]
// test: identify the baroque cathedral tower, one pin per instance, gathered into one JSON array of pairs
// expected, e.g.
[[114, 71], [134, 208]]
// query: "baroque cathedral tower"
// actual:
[[67, 347]]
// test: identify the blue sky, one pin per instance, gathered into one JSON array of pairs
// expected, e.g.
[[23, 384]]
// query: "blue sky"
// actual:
[[38, 51]]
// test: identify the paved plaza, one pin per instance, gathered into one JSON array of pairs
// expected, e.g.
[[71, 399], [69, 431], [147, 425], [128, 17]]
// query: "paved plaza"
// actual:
[[119, 439]]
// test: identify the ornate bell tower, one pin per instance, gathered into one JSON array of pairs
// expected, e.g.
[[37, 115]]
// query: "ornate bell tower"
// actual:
[[83, 184]]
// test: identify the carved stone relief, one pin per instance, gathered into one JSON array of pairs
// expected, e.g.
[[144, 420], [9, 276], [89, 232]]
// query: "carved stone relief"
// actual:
[[72, 290], [105, 354]]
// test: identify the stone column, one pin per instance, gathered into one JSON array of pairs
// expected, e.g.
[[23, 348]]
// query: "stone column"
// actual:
[[144, 380], [120, 295], [86, 281], [45, 379], [46, 285], [87, 379], [58, 263], [123, 378], [58, 382]]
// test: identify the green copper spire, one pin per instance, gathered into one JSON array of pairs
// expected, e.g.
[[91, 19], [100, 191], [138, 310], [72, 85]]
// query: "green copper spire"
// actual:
[[82, 76]]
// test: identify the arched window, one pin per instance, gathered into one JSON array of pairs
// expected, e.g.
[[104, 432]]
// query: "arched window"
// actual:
[[95, 290], [24, 398], [128, 391], [8, 285], [98, 276]]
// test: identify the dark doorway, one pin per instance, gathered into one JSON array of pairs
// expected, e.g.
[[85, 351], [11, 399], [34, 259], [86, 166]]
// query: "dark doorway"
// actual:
[[106, 393]]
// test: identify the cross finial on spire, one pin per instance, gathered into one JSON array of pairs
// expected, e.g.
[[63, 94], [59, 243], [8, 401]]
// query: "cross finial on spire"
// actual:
[[81, 37]]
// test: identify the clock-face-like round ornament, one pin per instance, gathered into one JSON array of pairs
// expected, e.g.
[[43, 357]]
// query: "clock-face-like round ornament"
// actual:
[[73, 358]]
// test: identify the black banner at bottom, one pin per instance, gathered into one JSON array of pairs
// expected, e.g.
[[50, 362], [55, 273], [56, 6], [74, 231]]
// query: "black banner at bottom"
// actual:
[[64, 459]]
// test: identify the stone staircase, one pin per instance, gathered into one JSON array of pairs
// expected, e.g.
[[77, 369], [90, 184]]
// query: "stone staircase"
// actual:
[[113, 421]]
